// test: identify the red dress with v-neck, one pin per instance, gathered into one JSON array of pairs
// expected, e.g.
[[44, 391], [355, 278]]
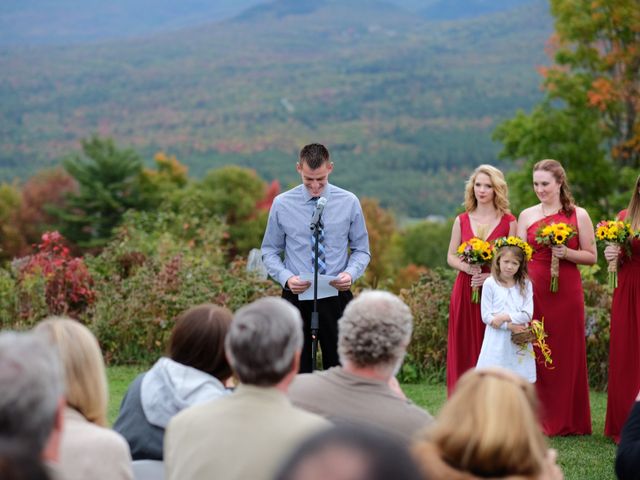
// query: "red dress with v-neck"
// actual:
[[466, 330], [624, 347], [564, 390]]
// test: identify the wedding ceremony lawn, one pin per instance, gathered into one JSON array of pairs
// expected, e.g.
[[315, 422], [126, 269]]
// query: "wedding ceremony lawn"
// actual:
[[581, 458]]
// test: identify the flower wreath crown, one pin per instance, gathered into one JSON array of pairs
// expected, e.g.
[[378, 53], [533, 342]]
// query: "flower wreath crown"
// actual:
[[514, 242]]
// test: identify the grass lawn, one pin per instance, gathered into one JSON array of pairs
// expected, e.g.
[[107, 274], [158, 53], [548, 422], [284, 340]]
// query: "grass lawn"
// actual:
[[581, 458]]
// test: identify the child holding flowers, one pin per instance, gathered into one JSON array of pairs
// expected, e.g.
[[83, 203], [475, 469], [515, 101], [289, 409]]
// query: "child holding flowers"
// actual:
[[507, 306], [486, 217]]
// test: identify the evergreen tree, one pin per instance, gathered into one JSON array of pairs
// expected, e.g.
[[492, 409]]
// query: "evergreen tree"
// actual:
[[108, 185]]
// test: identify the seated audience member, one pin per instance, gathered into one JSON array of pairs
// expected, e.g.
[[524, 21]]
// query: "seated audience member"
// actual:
[[628, 456], [373, 335], [350, 453], [248, 434], [19, 462], [31, 396], [88, 449], [488, 428], [195, 372]]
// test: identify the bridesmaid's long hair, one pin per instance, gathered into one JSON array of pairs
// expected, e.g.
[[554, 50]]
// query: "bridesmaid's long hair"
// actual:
[[555, 168], [633, 210], [500, 189]]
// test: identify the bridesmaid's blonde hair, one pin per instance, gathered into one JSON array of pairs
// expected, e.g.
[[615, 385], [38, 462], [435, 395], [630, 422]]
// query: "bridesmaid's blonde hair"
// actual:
[[85, 376], [500, 189], [633, 210]]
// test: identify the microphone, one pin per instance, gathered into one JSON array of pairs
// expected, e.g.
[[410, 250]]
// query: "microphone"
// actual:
[[318, 213]]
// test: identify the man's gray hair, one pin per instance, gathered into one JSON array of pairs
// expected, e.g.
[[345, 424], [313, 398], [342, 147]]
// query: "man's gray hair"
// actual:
[[31, 385], [374, 330], [263, 339]]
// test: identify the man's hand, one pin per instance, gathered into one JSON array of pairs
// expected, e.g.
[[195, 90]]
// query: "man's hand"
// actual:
[[343, 282], [297, 285]]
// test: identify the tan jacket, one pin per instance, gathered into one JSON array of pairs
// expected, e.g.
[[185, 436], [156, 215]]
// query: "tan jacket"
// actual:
[[90, 451], [246, 435]]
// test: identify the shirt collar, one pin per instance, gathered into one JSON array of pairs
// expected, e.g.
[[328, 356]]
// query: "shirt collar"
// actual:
[[306, 196]]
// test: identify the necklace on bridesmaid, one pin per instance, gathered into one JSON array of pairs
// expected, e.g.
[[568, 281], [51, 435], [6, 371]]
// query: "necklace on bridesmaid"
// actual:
[[545, 214]]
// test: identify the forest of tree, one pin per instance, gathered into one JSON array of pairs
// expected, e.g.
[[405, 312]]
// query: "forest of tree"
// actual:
[[406, 104]]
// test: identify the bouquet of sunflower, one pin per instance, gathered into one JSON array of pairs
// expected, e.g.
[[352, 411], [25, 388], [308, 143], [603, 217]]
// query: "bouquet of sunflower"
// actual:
[[475, 251], [555, 234], [535, 334], [613, 232]]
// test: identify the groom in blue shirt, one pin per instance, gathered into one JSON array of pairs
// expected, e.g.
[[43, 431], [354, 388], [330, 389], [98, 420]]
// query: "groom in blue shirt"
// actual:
[[345, 244]]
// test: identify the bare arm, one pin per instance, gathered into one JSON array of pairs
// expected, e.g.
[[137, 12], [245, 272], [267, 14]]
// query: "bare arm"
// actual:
[[523, 224]]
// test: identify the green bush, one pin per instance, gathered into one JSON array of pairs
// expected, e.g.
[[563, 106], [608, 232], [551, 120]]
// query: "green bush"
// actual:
[[597, 300], [429, 302], [154, 270]]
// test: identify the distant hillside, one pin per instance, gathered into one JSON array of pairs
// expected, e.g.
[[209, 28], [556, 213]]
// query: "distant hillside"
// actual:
[[457, 9], [47, 22], [406, 105]]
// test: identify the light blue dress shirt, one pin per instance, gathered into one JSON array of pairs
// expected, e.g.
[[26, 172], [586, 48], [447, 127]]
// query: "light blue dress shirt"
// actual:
[[288, 231]]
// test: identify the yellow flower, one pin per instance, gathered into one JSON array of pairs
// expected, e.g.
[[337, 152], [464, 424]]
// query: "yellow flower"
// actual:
[[560, 237]]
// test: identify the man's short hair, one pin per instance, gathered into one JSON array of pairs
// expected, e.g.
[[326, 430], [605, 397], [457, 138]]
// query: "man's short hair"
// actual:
[[314, 155], [31, 382], [374, 330], [263, 339]]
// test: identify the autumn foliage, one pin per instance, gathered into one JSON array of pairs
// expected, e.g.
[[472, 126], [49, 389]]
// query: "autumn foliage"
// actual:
[[68, 284]]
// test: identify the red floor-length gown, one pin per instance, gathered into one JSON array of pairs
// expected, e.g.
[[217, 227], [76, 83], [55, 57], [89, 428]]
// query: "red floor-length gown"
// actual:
[[466, 330], [624, 344], [564, 390]]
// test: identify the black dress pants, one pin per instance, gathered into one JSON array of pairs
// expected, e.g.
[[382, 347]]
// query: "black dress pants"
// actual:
[[329, 311]]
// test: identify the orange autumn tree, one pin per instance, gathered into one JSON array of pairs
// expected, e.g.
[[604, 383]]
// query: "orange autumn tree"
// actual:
[[599, 40], [589, 117]]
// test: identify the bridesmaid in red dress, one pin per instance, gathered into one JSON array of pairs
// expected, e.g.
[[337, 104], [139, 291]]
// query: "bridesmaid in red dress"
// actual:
[[563, 391], [624, 347], [486, 216]]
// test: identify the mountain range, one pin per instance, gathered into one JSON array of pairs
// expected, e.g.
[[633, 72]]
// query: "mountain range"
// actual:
[[404, 93]]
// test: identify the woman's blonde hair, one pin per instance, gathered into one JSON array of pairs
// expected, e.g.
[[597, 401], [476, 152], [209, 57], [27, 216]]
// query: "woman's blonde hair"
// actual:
[[556, 169], [500, 189], [85, 377], [489, 427], [633, 210]]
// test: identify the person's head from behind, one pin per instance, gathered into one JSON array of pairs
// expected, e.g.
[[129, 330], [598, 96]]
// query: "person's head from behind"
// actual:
[[486, 185], [374, 332], [510, 263], [32, 389], [489, 427], [85, 376], [264, 342], [314, 166], [350, 453], [19, 462], [197, 339]]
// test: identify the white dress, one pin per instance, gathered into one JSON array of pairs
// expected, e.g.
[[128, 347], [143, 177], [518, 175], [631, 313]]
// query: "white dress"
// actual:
[[497, 348]]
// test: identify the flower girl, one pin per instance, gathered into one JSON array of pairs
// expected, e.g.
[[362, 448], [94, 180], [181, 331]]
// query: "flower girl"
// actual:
[[506, 307]]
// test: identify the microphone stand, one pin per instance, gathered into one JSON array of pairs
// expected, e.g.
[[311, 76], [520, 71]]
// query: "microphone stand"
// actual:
[[315, 320]]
